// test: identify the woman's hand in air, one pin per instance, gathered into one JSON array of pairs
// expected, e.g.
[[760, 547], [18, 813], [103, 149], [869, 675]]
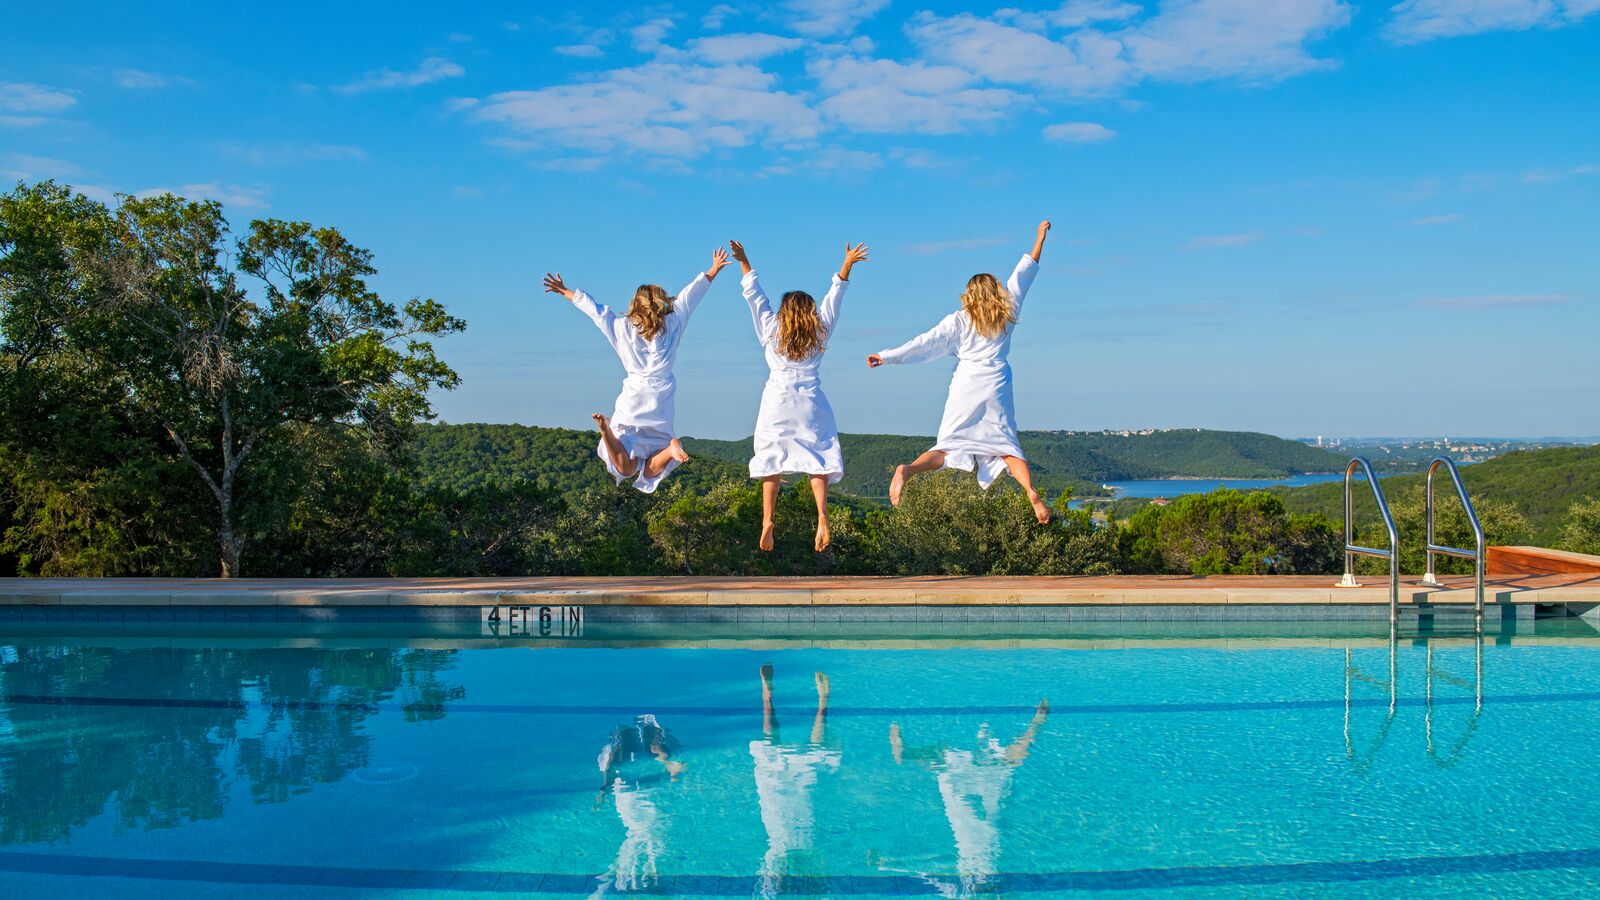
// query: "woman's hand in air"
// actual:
[[739, 254], [852, 255], [874, 361], [1038, 242], [554, 285], [719, 258]]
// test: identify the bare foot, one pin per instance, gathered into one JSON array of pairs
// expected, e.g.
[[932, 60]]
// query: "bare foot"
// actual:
[[767, 530], [897, 485], [1040, 511], [601, 421], [678, 453], [822, 687], [824, 536], [766, 678]]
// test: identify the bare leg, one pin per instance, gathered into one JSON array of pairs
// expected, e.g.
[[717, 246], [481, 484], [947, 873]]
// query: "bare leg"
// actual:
[[769, 719], [658, 463], [897, 747], [819, 490], [931, 461], [1019, 470], [625, 464], [1017, 751], [769, 500], [820, 722]]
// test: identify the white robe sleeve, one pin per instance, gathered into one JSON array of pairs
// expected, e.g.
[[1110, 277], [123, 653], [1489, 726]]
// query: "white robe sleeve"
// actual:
[[940, 340], [603, 317], [689, 298], [1021, 279], [761, 313], [829, 312]]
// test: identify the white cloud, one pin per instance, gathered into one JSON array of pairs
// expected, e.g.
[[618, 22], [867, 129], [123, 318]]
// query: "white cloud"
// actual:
[[647, 38], [716, 16], [738, 48], [234, 195], [1213, 242], [138, 79], [581, 51], [831, 18], [827, 161], [21, 121], [1078, 132], [432, 69], [1107, 48], [1496, 301], [1444, 219], [935, 247], [27, 97], [1414, 21], [291, 152], [662, 109], [880, 95], [27, 167]]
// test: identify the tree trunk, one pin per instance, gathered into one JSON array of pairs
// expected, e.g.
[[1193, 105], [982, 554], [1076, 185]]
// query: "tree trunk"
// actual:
[[228, 542]]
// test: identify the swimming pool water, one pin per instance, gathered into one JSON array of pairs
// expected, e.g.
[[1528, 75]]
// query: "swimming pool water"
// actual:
[[1191, 764]]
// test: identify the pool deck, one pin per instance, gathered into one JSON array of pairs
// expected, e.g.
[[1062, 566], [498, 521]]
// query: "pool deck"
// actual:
[[1577, 592]]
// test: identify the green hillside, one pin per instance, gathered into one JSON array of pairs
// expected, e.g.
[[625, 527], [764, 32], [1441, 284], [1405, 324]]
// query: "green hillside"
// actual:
[[1540, 484], [471, 455]]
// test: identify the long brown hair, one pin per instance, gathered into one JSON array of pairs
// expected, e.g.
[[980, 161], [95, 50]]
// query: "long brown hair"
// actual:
[[649, 311], [800, 333], [988, 305]]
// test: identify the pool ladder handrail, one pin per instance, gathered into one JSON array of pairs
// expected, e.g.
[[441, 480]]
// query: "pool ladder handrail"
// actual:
[[1352, 549], [1435, 548]]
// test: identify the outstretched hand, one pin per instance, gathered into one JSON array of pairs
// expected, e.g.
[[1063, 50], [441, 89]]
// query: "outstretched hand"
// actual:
[[719, 258], [874, 361], [1038, 242], [739, 254], [554, 285], [852, 255]]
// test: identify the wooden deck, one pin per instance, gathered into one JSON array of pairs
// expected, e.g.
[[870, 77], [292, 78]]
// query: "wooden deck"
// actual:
[[737, 592]]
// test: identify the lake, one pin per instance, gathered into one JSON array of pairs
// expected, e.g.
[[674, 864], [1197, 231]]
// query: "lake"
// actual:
[[1174, 487]]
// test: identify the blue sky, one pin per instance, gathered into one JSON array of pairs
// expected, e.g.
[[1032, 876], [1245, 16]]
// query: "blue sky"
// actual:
[[1293, 216]]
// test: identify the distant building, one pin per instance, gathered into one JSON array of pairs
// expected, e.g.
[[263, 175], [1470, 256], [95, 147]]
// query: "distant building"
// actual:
[[1160, 501]]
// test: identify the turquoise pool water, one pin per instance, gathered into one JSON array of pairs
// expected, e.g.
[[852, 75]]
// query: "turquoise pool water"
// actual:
[[1126, 761]]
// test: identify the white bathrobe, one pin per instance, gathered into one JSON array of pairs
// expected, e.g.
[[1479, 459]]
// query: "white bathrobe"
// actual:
[[795, 430], [979, 427], [643, 418]]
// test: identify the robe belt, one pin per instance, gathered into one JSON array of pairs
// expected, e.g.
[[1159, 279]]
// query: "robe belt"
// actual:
[[792, 376], [649, 382]]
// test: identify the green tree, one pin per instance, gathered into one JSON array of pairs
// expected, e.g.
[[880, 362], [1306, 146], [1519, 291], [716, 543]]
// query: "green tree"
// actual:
[[1502, 524], [1582, 534], [154, 297], [1228, 532]]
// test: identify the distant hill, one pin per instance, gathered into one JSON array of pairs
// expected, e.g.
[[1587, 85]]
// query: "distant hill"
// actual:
[[468, 455], [1541, 484]]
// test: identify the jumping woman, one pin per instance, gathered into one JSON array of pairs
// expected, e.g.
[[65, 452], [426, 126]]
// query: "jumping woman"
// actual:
[[639, 439], [795, 431], [979, 428]]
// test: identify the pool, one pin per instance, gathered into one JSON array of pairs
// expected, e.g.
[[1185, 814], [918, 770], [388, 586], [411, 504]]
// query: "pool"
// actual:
[[1126, 759]]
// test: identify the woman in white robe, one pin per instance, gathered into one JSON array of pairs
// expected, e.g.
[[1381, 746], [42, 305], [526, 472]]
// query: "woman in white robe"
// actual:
[[795, 429], [639, 439], [979, 429], [786, 776]]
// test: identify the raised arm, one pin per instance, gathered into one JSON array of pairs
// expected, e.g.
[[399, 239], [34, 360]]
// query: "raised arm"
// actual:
[[940, 340], [1038, 241], [602, 316], [761, 314], [692, 293], [829, 311]]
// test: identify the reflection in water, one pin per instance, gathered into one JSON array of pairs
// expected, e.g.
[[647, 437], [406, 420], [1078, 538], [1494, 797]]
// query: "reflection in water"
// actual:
[[160, 735], [631, 767], [786, 775], [1362, 759], [972, 784]]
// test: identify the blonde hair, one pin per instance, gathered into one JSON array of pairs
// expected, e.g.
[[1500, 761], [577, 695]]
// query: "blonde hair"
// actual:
[[800, 334], [988, 305], [649, 311]]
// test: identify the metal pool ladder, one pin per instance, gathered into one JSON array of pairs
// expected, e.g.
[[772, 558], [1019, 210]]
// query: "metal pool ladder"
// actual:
[[1434, 548], [1352, 549]]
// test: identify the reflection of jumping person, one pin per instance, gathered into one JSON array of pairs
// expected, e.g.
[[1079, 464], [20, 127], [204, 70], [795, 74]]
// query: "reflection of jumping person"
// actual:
[[640, 437], [979, 428], [636, 790], [972, 784], [785, 777]]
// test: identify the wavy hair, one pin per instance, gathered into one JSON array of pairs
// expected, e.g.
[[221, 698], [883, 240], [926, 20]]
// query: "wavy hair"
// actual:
[[800, 334], [988, 305], [649, 310]]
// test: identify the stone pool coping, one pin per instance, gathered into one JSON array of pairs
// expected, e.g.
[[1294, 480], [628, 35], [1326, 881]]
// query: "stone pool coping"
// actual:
[[1579, 593]]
